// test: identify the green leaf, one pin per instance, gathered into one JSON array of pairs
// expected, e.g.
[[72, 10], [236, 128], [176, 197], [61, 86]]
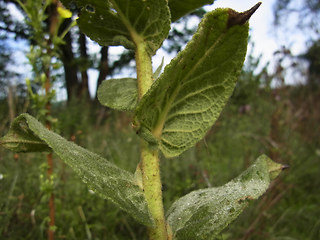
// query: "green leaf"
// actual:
[[64, 13], [107, 180], [157, 72], [188, 97], [179, 8], [125, 22], [120, 94], [203, 214], [21, 138]]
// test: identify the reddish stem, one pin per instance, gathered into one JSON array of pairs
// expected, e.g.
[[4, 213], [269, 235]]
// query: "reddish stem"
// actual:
[[53, 23], [51, 200]]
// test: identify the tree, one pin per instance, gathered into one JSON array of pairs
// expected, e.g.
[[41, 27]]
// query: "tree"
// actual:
[[76, 60], [306, 12], [10, 30], [313, 57], [171, 114], [307, 16], [11, 88], [76, 56]]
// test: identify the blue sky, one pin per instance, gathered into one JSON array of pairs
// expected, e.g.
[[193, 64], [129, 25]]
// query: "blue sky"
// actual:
[[260, 24], [262, 33], [267, 39]]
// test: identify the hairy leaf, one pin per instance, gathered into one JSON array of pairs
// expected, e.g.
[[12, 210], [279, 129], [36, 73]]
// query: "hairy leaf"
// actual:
[[21, 138], [188, 97], [203, 214], [125, 22], [179, 8], [107, 180], [120, 94]]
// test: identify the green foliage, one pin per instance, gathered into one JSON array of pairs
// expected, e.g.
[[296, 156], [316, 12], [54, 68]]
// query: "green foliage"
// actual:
[[113, 94], [119, 22], [202, 214], [39, 101], [294, 215], [285, 212], [173, 113], [74, 121], [22, 139], [24, 208], [44, 52], [109, 181], [181, 8], [189, 96]]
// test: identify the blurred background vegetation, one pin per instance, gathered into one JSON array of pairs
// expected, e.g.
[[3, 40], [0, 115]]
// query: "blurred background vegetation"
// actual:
[[264, 115]]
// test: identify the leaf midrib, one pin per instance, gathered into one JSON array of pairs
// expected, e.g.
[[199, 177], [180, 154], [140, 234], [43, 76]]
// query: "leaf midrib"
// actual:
[[24, 141], [135, 36], [157, 130]]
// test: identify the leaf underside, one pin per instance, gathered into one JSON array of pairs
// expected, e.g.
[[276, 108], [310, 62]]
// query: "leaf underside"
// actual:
[[203, 214], [26, 134], [188, 97], [116, 22], [120, 94], [180, 8]]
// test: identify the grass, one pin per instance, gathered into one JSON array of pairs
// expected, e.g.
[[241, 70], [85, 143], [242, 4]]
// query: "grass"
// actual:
[[290, 210]]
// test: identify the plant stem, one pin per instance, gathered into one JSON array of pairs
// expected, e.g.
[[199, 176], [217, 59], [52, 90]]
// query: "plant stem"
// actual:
[[144, 69], [53, 24], [150, 168], [51, 200], [152, 187]]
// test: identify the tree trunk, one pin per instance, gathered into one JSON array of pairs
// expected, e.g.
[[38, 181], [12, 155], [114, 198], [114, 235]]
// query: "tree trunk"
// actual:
[[70, 68], [103, 73], [103, 67], [11, 102], [83, 91]]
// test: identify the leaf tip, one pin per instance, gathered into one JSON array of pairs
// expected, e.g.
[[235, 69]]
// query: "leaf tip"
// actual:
[[275, 168], [236, 18]]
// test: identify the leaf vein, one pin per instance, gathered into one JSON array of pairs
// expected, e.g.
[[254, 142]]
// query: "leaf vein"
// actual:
[[194, 94]]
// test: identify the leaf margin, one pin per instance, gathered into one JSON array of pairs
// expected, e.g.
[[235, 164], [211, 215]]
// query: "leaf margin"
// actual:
[[145, 106], [127, 97], [262, 171], [127, 181]]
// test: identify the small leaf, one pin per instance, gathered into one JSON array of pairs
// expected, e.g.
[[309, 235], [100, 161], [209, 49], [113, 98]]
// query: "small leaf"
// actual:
[[180, 8], [21, 138], [120, 94], [203, 214], [64, 13], [107, 180], [188, 97], [157, 72], [123, 22]]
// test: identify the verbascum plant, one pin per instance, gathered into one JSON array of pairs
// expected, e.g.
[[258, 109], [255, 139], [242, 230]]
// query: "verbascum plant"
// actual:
[[171, 112]]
